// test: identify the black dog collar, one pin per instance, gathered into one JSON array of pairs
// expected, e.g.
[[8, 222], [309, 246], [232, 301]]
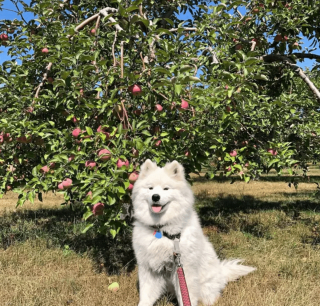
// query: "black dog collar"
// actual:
[[171, 237]]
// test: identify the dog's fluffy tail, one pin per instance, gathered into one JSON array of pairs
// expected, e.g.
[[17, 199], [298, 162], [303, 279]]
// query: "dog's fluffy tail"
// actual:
[[232, 270]]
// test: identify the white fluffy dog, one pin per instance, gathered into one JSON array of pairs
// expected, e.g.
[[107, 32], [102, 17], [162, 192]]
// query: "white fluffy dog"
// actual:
[[163, 209]]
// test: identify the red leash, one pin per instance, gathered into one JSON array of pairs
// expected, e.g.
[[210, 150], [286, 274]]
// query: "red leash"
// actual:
[[182, 280]]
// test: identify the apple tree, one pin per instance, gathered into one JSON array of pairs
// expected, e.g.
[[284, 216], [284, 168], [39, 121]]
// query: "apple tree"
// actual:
[[95, 88]]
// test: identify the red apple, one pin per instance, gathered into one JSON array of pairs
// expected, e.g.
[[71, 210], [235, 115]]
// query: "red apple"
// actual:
[[159, 108], [287, 5], [226, 87], [295, 45], [158, 143], [93, 31], [89, 194], [184, 104], [71, 157], [104, 154], [137, 112], [8, 187], [103, 130], [255, 11], [133, 177], [187, 154], [76, 132], [60, 186], [121, 163], [228, 109], [278, 38], [45, 50], [50, 80], [75, 120], [233, 153], [272, 151], [135, 89], [52, 165], [98, 209], [238, 47], [30, 110], [4, 37], [90, 164], [130, 187], [67, 183], [44, 169]]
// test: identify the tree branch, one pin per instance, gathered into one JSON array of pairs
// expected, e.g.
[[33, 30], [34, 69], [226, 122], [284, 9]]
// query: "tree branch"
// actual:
[[104, 13], [19, 12], [121, 59], [282, 58], [97, 23], [45, 75], [214, 55], [184, 29], [84, 23], [113, 55], [306, 55]]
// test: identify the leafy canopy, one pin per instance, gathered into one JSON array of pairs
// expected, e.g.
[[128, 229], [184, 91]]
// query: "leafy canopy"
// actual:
[[218, 91]]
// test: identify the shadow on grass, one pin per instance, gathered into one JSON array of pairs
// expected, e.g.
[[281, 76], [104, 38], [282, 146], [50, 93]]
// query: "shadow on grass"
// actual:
[[227, 213], [62, 228], [266, 178]]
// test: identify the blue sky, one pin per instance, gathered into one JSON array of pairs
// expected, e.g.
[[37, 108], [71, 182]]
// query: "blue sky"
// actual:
[[9, 15]]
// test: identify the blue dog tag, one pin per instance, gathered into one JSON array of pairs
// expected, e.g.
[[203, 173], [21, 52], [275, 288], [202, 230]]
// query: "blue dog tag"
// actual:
[[158, 235]]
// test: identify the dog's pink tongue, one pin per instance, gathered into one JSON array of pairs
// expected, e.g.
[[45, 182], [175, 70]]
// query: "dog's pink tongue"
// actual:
[[156, 209]]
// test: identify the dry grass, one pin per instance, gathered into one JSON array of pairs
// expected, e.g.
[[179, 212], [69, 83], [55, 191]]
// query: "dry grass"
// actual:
[[50, 200], [271, 226]]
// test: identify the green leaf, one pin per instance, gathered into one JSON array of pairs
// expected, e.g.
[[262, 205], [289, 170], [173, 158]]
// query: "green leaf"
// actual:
[[89, 130], [177, 88], [87, 214], [113, 233], [191, 79], [90, 225]]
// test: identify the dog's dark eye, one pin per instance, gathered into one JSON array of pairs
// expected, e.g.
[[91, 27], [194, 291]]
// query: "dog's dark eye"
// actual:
[[167, 188], [150, 188]]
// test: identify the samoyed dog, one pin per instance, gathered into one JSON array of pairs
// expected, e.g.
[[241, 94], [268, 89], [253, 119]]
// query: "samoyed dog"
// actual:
[[163, 211]]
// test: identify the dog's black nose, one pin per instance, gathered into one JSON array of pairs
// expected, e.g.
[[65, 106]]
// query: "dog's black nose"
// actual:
[[155, 197]]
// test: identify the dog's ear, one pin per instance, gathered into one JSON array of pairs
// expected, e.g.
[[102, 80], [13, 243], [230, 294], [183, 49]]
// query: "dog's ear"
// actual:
[[146, 168], [175, 170]]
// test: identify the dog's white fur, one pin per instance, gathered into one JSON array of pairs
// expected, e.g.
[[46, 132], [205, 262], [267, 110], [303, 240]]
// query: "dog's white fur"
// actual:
[[205, 274]]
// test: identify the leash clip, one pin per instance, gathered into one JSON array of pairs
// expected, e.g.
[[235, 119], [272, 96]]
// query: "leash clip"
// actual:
[[176, 252]]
